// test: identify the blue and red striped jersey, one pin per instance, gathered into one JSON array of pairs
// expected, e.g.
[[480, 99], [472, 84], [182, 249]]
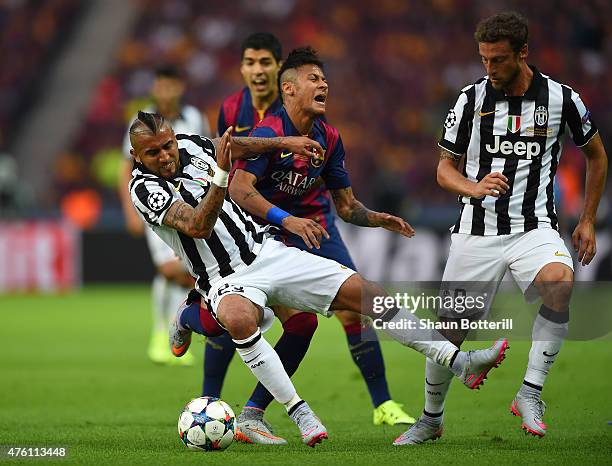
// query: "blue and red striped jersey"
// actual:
[[237, 110], [299, 185]]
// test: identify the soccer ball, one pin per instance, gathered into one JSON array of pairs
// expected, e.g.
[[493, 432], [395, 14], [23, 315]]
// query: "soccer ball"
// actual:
[[206, 424]]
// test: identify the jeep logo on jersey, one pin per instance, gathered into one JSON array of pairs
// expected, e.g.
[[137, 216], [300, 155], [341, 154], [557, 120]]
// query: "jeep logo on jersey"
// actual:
[[199, 163], [157, 200], [541, 115], [519, 148]]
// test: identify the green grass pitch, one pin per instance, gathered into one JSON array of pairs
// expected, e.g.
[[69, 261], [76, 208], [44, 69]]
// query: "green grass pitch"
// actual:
[[74, 373]]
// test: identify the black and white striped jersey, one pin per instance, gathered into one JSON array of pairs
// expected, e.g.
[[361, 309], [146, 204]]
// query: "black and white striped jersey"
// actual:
[[521, 137], [236, 239]]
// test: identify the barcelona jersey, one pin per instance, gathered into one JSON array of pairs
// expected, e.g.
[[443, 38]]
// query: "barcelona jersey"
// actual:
[[300, 185], [238, 111]]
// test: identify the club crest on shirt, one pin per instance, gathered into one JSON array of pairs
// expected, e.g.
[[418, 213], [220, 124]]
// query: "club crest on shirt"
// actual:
[[199, 163], [317, 160], [541, 115], [157, 200]]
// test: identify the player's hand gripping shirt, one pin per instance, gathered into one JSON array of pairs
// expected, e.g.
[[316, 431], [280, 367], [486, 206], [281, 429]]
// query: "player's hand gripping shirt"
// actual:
[[521, 137], [236, 239]]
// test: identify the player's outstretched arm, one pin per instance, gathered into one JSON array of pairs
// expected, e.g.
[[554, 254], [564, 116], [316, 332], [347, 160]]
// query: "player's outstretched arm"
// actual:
[[243, 192], [451, 179], [244, 148], [583, 237], [352, 211], [199, 221]]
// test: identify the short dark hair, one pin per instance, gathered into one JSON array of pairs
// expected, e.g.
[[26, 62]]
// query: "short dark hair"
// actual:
[[168, 71], [263, 41], [299, 57], [507, 25]]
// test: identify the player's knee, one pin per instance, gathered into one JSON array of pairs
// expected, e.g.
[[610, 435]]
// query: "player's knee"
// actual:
[[303, 324], [239, 320], [555, 273]]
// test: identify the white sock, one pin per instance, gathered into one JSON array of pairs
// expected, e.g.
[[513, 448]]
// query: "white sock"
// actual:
[[547, 338], [265, 364], [158, 296], [431, 343], [437, 382]]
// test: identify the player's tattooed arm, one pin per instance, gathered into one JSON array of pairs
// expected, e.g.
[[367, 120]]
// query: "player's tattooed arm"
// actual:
[[198, 222], [244, 148], [352, 211], [446, 155]]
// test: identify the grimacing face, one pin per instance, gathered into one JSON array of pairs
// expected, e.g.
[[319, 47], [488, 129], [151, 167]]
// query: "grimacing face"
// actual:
[[502, 64], [311, 89], [157, 152], [259, 70]]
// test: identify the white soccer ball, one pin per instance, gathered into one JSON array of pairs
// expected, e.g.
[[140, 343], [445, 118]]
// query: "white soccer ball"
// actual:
[[206, 424]]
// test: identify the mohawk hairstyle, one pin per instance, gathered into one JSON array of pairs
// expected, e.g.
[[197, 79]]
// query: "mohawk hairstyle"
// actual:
[[147, 122], [299, 57]]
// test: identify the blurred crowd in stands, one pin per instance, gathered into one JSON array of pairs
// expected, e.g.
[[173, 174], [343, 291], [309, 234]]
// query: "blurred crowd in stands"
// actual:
[[30, 34], [394, 68]]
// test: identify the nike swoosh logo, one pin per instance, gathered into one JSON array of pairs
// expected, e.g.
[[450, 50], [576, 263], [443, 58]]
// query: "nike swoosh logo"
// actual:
[[486, 113], [285, 155], [251, 360], [178, 188], [560, 254], [358, 345], [550, 355], [433, 384], [240, 129]]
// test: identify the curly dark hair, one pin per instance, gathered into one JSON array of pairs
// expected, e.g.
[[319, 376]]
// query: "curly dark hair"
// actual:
[[507, 25]]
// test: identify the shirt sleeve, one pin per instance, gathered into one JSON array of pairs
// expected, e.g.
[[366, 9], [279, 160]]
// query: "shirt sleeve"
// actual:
[[334, 174], [578, 117], [458, 126], [152, 198], [257, 165]]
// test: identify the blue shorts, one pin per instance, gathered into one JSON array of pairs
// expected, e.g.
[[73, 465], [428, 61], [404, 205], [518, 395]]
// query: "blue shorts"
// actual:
[[332, 248]]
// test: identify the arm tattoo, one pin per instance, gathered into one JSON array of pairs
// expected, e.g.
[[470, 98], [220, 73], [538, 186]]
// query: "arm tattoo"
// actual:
[[250, 195], [349, 208], [359, 216], [207, 211], [242, 146], [444, 154], [178, 216], [200, 220]]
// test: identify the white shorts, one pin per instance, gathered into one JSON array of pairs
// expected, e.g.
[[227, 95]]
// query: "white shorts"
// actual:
[[161, 253], [287, 276], [485, 259]]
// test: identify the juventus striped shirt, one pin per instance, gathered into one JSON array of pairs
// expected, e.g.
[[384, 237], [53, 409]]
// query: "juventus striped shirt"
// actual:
[[236, 239], [521, 137]]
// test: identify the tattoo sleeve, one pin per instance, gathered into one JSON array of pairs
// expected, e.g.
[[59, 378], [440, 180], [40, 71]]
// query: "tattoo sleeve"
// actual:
[[244, 147], [200, 221]]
